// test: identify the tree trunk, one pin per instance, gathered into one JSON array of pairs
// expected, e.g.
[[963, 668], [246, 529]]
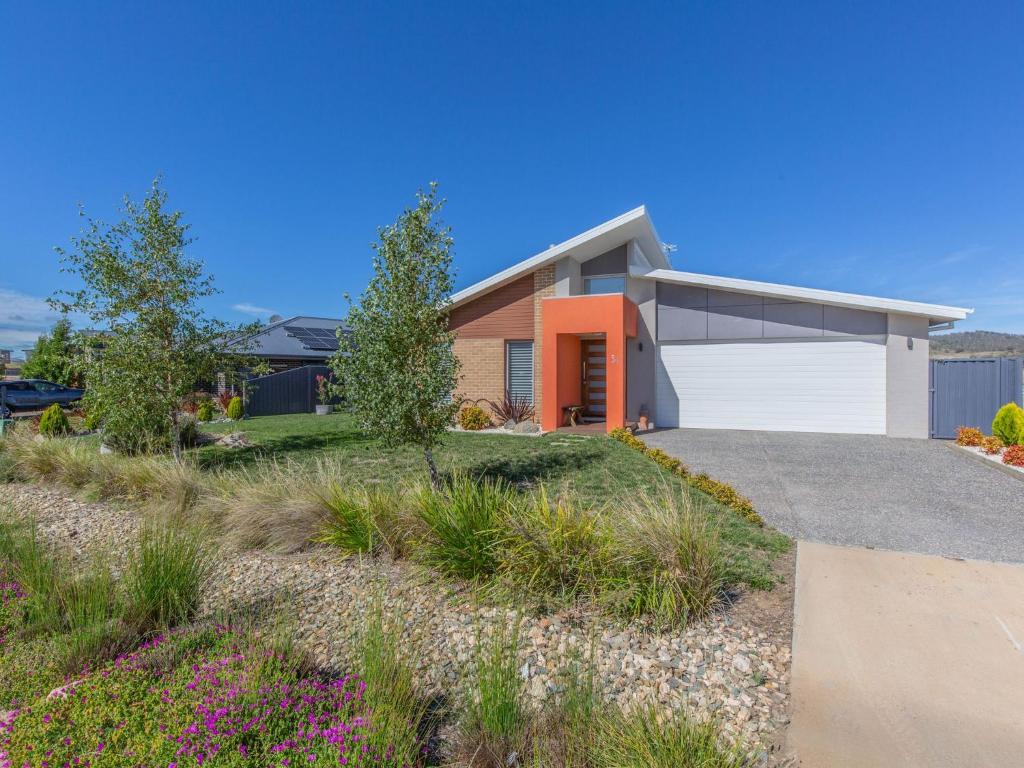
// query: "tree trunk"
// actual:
[[175, 436], [435, 476]]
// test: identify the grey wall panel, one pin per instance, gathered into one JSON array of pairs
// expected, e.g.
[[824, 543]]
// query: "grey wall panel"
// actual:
[[842, 321], [682, 295], [682, 323], [611, 262], [792, 320], [743, 315], [736, 322], [906, 377], [567, 277], [732, 299]]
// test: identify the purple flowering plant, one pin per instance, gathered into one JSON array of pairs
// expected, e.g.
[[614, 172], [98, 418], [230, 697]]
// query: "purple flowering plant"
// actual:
[[202, 697]]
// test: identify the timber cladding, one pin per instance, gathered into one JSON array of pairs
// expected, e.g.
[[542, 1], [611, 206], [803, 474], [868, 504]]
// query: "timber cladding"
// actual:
[[504, 313]]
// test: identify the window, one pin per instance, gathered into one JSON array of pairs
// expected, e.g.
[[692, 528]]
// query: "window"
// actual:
[[46, 386], [605, 284], [519, 369]]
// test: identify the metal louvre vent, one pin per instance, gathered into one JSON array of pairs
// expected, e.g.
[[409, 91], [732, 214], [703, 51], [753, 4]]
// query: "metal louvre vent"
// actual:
[[519, 369]]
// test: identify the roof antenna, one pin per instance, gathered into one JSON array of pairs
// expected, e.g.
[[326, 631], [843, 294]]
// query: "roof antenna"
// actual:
[[669, 247]]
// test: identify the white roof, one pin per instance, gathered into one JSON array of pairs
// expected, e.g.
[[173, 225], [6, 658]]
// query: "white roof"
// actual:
[[934, 312], [635, 224]]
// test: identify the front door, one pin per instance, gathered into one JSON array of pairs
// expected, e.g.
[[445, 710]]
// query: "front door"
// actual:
[[595, 380]]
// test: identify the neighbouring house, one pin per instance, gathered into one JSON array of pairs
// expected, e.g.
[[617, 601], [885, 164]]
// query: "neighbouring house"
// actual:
[[293, 343], [603, 323], [5, 356]]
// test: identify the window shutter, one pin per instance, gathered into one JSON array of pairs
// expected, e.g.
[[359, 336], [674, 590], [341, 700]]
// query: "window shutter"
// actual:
[[519, 365]]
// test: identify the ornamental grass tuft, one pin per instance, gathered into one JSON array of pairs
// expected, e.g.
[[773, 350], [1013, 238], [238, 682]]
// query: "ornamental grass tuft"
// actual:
[[165, 575], [670, 565], [495, 730], [367, 520], [461, 525], [554, 549]]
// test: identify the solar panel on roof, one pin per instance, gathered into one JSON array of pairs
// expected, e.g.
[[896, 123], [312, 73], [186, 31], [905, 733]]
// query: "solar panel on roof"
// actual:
[[321, 339]]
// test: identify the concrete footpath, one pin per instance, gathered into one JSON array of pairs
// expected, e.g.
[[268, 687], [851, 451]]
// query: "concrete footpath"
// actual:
[[906, 660]]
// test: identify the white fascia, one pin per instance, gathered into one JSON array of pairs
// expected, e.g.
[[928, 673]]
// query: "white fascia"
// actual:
[[936, 313], [635, 224]]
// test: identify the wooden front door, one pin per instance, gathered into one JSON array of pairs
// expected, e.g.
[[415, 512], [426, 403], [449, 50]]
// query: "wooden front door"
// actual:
[[595, 380]]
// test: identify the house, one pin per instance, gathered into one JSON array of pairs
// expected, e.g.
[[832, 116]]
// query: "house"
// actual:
[[604, 322], [292, 343]]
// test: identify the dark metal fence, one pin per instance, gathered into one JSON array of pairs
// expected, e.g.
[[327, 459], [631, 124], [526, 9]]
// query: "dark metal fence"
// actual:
[[968, 392], [291, 391]]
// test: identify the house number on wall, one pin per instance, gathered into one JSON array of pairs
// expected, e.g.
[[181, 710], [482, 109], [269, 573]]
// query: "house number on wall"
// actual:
[[615, 358]]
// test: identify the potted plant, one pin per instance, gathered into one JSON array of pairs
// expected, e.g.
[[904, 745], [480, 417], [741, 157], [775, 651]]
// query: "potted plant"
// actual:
[[323, 394]]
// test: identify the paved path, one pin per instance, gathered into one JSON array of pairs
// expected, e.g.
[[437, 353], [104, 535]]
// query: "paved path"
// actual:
[[904, 495], [906, 660]]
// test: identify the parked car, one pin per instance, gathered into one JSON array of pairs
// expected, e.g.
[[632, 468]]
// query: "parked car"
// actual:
[[36, 394]]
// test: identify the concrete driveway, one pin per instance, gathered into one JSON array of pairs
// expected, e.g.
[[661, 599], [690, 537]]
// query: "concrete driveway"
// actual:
[[864, 490], [906, 660]]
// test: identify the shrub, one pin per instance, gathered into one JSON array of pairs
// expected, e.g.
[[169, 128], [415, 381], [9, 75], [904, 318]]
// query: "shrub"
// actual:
[[665, 461], [191, 402], [224, 398], [188, 430], [473, 417], [1008, 425], [54, 422], [1014, 456], [554, 549], [462, 525], [991, 445], [494, 732], [205, 411], [91, 422], [514, 408], [164, 576], [235, 410], [721, 492], [969, 436], [670, 563], [725, 494]]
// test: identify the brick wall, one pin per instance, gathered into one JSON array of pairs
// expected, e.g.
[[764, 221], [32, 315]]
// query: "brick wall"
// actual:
[[543, 286], [483, 368], [482, 327]]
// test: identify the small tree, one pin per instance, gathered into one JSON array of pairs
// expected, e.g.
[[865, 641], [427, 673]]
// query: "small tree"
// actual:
[[144, 294], [396, 366], [54, 357]]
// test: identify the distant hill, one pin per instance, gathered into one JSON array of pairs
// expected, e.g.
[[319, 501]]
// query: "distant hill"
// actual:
[[977, 344]]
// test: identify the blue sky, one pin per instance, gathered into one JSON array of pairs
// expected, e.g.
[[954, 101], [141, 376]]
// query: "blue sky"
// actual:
[[871, 148]]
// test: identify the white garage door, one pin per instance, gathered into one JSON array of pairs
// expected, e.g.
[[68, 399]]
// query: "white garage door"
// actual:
[[827, 386]]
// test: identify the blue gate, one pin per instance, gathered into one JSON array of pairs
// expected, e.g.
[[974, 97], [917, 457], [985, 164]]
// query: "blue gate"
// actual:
[[968, 392]]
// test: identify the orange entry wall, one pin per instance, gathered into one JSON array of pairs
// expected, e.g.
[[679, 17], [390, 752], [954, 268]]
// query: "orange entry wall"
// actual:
[[563, 320]]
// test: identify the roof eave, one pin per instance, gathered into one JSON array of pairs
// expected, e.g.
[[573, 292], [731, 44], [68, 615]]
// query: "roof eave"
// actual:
[[934, 312], [555, 252]]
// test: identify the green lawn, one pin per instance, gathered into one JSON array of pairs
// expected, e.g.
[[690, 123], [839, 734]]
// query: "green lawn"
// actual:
[[600, 470]]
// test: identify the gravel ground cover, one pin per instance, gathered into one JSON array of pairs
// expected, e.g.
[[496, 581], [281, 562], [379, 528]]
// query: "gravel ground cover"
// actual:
[[729, 667]]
